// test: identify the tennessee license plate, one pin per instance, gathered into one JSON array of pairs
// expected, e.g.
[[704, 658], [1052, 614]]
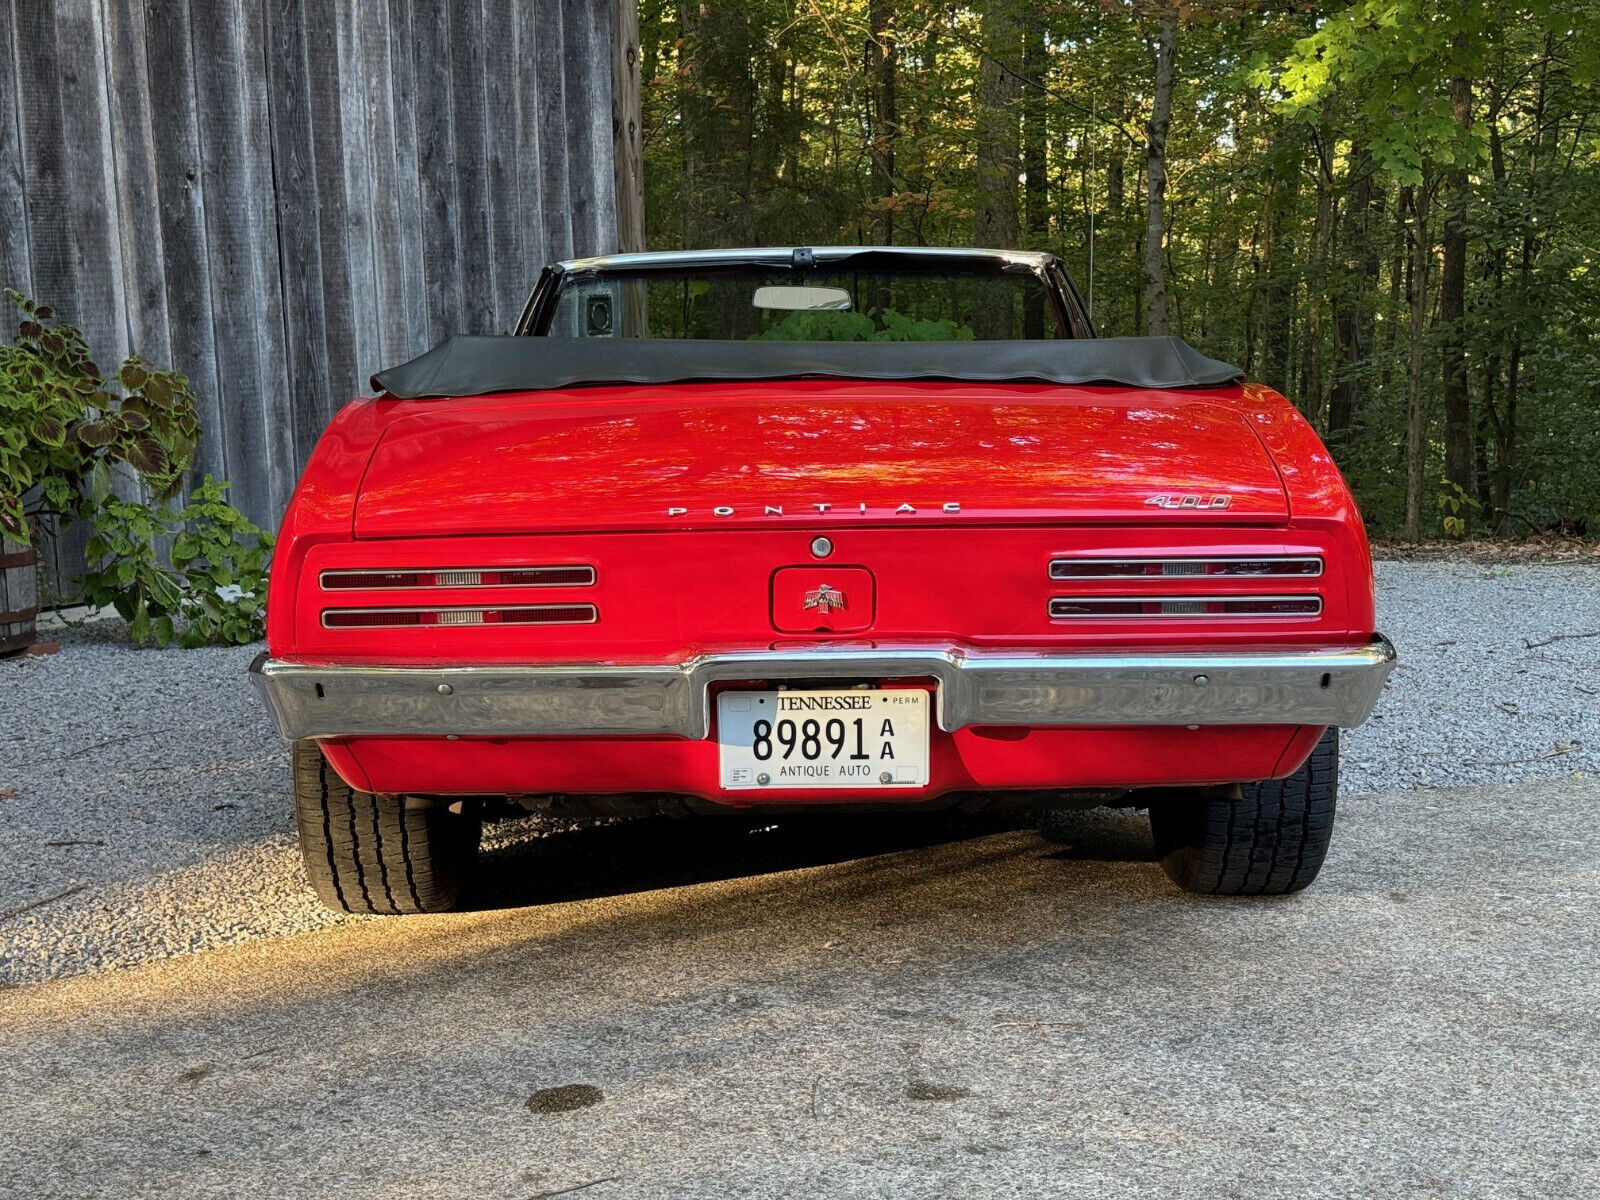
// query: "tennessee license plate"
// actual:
[[824, 738]]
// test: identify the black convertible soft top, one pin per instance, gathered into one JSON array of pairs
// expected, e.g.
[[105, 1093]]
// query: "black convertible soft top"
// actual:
[[477, 366]]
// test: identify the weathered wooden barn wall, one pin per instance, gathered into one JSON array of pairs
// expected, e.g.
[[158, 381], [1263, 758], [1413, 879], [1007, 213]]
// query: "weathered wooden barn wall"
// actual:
[[279, 197]]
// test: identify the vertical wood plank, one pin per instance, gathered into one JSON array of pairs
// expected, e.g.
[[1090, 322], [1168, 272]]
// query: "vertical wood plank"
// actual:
[[586, 30], [180, 199], [384, 195], [43, 147], [16, 269], [64, 156], [88, 176], [242, 239], [471, 156], [137, 195], [332, 218], [507, 266], [436, 169], [413, 246], [298, 236], [530, 101], [626, 118], [362, 205], [549, 84]]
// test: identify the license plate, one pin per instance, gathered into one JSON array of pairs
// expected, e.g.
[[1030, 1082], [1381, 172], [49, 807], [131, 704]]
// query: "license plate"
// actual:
[[824, 738]]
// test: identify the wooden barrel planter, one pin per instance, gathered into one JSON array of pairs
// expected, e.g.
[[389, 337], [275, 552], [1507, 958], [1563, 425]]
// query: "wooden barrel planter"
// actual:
[[19, 595]]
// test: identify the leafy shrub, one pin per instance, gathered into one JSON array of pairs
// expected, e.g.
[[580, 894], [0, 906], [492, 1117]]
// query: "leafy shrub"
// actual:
[[65, 429], [63, 424], [215, 589]]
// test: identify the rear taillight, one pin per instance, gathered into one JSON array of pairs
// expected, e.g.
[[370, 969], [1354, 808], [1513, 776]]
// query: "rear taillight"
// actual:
[[535, 606], [575, 575], [394, 618], [1169, 568], [1063, 608], [1193, 586]]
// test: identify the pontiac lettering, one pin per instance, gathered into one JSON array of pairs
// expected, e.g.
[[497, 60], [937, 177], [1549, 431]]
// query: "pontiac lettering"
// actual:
[[949, 508]]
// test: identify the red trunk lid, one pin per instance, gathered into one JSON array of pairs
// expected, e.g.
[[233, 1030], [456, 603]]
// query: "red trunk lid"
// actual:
[[814, 453]]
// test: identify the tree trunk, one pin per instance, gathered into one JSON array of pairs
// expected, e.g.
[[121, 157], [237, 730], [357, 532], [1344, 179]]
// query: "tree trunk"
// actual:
[[1155, 275], [718, 123], [1506, 431], [1036, 172], [999, 153], [625, 123], [719, 152], [1453, 307], [881, 61], [1313, 390], [1399, 287], [1282, 263], [1416, 397], [1351, 332]]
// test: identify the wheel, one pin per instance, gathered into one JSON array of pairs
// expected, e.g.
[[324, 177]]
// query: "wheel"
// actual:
[[369, 853], [1269, 842]]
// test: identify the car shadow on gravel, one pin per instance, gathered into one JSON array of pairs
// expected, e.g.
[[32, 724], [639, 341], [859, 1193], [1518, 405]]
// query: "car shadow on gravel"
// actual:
[[524, 865]]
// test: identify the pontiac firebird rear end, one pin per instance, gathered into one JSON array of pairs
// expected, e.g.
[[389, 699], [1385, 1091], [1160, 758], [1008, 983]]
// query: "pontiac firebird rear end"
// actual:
[[769, 573]]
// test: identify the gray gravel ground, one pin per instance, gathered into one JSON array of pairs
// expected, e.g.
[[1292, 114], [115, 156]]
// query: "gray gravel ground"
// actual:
[[162, 766], [1004, 1016]]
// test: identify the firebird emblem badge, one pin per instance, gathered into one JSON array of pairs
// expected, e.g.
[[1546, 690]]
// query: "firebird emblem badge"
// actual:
[[825, 600], [1190, 501]]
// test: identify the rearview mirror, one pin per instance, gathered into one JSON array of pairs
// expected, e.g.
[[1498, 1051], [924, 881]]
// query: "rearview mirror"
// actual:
[[801, 299]]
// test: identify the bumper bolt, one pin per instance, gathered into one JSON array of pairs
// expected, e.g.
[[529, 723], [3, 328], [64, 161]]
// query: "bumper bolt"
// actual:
[[1201, 680], [445, 689]]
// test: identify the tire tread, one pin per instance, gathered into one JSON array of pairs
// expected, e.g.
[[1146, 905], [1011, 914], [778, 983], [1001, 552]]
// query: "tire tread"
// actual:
[[1270, 841], [368, 853]]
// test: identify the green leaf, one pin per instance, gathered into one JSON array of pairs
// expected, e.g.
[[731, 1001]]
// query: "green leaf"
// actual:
[[48, 429], [96, 433], [139, 627], [158, 390], [146, 456], [100, 482]]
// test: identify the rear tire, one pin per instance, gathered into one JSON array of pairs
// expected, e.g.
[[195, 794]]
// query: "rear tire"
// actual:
[[1269, 842], [369, 853]]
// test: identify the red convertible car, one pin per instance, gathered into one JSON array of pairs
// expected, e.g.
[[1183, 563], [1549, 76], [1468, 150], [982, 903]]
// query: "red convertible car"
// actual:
[[773, 529]]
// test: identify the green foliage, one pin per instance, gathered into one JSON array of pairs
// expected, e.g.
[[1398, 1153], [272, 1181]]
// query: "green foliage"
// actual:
[[900, 328], [63, 424], [66, 431], [825, 325], [216, 586], [1301, 135], [829, 325], [1395, 59], [1454, 505]]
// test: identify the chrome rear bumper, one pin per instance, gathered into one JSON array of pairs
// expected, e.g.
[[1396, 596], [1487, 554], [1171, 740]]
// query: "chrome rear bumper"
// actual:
[[1265, 687]]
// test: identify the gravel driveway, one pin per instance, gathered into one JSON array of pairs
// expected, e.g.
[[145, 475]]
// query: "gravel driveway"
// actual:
[[146, 791], [1003, 1016]]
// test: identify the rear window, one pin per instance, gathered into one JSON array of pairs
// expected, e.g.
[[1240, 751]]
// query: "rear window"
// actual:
[[806, 306]]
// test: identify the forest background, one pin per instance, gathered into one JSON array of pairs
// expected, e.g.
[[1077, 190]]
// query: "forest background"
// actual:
[[1389, 210]]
